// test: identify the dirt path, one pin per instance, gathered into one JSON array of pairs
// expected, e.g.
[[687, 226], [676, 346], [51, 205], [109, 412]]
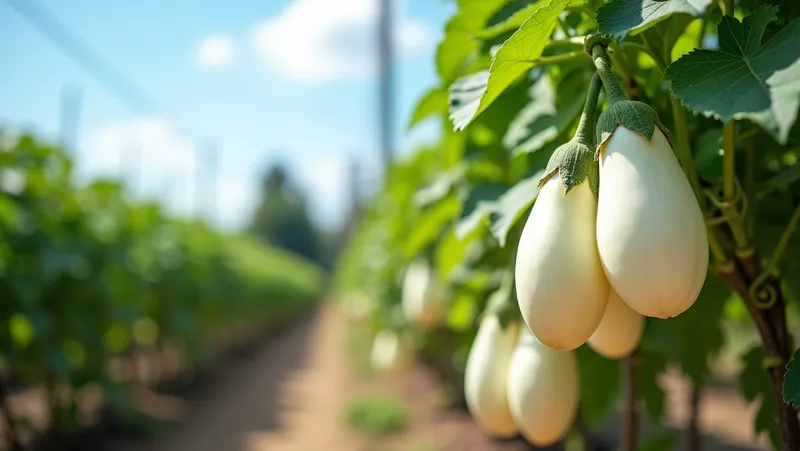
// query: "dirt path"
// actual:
[[314, 400], [289, 394]]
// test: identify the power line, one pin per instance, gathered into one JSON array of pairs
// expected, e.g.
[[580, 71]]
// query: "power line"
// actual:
[[126, 90], [60, 35]]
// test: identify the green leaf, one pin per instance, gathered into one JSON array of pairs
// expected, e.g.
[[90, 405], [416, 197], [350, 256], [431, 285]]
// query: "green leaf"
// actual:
[[744, 79], [600, 386], [451, 54], [542, 119], [701, 329], [786, 176], [510, 17], [755, 382], [621, 17], [785, 93], [441, 187], [708, 154], [512, 204], [461, 313], [433, 103], [459, 42], [663, 36], [514, 58], [477, 206], [662, 440], [427, 228], [21, 330], [653, 365], [791, 381]]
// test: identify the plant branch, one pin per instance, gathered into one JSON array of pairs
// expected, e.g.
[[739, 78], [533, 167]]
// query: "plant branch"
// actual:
[[683, 148], [693, 429], [558, 58], [772, 263], [771, 325], [750, 186], [729, 189], [630, 414], [577, 40]]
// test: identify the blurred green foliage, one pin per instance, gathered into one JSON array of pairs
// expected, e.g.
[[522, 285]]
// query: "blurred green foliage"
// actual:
[[462, 200], [86, 274]]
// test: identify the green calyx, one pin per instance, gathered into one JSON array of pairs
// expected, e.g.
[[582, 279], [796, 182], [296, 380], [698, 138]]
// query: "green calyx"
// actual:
[[633, 115], [574, 161]]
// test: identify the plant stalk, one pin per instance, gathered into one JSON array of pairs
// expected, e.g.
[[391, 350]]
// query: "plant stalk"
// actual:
[[630, 411], [585, 131], [693, 428], [610, 83], [559, 58], [771, 325], [683, 147]]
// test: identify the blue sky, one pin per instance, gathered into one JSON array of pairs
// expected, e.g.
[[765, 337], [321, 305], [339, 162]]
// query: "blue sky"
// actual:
[[267, 80]]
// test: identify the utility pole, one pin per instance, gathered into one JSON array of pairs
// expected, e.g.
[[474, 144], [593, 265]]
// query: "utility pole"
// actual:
[[355, 196], [386, 82], [70, 110]]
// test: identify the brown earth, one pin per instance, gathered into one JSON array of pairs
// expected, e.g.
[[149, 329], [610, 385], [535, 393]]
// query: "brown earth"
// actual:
[[289, 394]]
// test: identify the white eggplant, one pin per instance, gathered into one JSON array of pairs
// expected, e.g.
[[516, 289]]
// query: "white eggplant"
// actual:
[[651, 234], [486, 375], [543, 390], [423, 297], [619, 331], [391, 353], [561, 287]]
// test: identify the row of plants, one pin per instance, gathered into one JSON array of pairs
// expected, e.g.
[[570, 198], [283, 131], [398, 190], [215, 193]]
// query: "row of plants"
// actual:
[[613, 195], [88, 275]]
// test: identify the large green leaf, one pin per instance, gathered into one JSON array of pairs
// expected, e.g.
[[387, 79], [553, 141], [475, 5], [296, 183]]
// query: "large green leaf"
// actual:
[[701, 329], [600, 386], [543, 119], [459, 42], [513, 59], [511, 205], [755, 383], [510, 17], [621, 17], [744, 79], [441, 187], [653, 365], [791, 381], [708, 154], [477, 206]]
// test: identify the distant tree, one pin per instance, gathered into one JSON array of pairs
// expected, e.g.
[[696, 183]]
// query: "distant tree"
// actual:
[[281, 218]]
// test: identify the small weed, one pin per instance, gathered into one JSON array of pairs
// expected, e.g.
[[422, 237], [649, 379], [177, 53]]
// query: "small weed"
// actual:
[[377, 415]]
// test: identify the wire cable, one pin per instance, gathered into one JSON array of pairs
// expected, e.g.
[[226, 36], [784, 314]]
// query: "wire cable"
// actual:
[[76, 49]]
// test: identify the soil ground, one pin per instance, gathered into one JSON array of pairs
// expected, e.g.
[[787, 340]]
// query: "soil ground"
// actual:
[[289, 393]]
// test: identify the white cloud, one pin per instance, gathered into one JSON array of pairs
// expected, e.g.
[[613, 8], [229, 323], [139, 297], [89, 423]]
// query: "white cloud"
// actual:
[[324, 40], [149, 154], [215, 51]]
